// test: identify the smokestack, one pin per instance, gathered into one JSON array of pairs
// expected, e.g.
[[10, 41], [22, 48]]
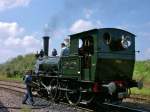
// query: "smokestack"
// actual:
[[46, 45]]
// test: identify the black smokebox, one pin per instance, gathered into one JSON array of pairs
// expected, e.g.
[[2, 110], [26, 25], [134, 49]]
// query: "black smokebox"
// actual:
[[46, 45]]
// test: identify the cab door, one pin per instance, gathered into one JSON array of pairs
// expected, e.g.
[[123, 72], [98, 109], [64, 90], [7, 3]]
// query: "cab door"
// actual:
[[86, 51]]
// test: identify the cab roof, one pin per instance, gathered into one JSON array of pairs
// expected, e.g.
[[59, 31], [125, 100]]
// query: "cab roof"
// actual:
[[95, 30]]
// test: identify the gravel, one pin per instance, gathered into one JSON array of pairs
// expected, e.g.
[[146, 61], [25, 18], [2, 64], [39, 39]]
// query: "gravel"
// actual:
[[12, 102], [137, 104]]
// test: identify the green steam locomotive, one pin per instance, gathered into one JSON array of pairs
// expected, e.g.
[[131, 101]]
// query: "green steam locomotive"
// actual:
[[98, 69]]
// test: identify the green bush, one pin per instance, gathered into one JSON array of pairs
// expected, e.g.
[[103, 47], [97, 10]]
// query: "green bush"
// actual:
[[17, 66], [142, 70]]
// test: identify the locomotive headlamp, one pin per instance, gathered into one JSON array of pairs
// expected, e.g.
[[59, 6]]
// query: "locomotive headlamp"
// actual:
[[126, 41]]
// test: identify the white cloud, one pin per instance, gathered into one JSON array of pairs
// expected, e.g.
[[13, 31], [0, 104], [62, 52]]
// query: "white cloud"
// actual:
[[29, 41], [13, 41], [8, 4], [10, 29], [83, 25], [88, 13]]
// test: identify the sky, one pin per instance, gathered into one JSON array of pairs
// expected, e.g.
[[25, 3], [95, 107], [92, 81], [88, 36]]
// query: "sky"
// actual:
[[24, 22]]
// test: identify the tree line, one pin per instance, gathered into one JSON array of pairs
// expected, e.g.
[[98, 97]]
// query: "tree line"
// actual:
[[18, 65]]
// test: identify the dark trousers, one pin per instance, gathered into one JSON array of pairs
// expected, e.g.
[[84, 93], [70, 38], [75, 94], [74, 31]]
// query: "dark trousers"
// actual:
[[28, 95]]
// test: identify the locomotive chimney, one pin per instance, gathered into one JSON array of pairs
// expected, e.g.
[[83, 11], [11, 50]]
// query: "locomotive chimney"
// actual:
[[46, 45]]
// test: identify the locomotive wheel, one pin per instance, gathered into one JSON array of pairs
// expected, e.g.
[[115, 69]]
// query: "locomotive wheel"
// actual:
[[73, 94], [98, 100], [88, 97], [62, 88], [54, 92], [115, 100]]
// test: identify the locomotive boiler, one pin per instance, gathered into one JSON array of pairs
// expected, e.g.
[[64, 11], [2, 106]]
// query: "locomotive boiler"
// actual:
[[98, 69]]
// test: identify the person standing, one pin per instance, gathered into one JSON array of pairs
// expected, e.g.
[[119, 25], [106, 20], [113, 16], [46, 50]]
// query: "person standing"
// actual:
[[67, 42], [64, 50], [54, 52], [28, 80]]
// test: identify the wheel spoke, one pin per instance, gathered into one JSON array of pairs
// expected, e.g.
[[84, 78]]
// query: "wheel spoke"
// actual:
[[53, 89], [73, 94]]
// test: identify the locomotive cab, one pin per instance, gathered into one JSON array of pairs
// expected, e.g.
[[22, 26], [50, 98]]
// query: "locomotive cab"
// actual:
[[107, 54], [107, 59], [82, 56]]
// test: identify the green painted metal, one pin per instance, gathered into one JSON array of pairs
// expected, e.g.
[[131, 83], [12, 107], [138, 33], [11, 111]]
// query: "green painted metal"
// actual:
[[114, 64], [104, 59], [71, 66], [87, 73]]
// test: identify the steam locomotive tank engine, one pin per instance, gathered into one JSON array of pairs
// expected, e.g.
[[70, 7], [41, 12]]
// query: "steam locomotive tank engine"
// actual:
[[99, 67]]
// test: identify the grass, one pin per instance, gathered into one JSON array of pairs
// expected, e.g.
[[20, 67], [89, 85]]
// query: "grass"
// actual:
[[17, 78], [25, 109], [143, 91], [142, 71]]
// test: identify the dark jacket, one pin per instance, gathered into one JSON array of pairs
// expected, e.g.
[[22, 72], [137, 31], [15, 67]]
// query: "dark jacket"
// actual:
[[27, 80]]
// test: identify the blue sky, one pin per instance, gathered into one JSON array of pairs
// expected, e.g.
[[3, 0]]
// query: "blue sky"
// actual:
[[22, 22]]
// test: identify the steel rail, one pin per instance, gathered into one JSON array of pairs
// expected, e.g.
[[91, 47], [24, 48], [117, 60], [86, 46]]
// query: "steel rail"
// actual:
[[13, 88], [19, 89], [112, 107], [105, 107]]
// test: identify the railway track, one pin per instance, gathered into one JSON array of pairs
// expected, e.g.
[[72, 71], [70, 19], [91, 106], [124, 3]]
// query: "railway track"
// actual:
[[140, 98], [13, 86], [119, 108], [106, 107]]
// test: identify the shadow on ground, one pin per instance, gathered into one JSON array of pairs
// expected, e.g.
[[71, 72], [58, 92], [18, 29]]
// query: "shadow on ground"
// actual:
[[3, 108]]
